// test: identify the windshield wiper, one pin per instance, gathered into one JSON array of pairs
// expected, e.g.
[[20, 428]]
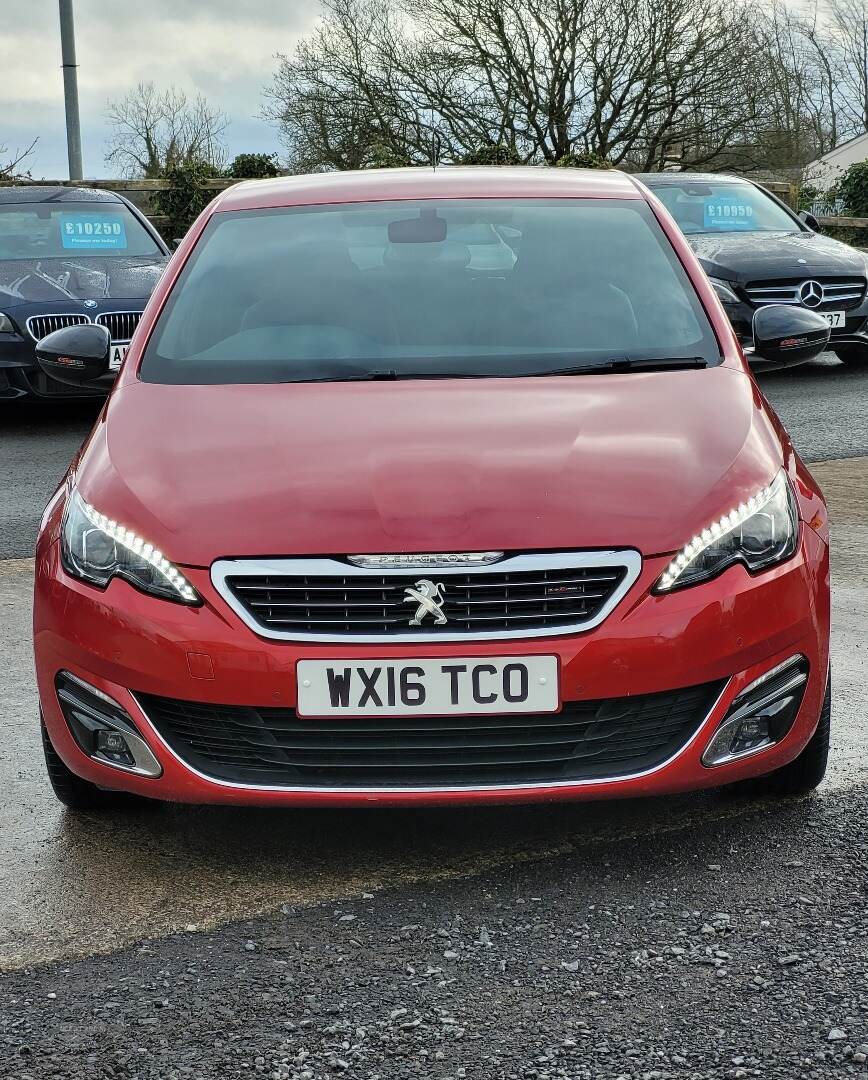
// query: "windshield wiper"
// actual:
[[616, 364], [626, 363], [390, 375], [385, 375]]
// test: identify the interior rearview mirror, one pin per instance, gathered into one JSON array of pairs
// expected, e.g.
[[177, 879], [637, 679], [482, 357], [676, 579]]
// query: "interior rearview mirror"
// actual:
[[427, 228], [75, 354], [785, 335]]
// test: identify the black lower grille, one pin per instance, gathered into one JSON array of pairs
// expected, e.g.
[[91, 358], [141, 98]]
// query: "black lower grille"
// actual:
[[586, 740], [45, 386]]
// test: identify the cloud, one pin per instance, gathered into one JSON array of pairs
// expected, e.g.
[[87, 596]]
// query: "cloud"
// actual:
[[224, 49]]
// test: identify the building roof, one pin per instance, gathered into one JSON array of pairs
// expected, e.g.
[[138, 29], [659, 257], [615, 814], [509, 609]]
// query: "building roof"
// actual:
[[40, 193], [842, 148], [449, 182]]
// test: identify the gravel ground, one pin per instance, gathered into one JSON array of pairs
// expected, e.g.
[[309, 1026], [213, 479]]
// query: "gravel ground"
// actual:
[[730, 950]]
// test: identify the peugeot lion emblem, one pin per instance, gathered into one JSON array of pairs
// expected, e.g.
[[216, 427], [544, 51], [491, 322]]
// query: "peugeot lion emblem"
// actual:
[[428, 595], [811, 293]]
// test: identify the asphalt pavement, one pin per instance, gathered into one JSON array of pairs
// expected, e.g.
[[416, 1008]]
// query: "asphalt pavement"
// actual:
[[727, 949], [698, 936]]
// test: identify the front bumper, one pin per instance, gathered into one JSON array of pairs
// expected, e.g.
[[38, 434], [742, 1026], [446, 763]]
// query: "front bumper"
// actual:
[[730, 630], [22, 378], [854, 331]]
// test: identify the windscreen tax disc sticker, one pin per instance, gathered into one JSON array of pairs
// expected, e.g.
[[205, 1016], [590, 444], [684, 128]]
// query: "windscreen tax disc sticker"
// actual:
[[727, 212], [93, 232]]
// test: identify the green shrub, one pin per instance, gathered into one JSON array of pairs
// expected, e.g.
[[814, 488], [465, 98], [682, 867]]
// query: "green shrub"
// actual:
[[380, 156], [253, 166], [853, 189], [588, 160], [809, 194], [491, 155], [186, 198]]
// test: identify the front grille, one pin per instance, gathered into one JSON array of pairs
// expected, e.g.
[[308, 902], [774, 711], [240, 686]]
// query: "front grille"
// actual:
[[587, 740], [839, 294], [40, 325], [365, 605], [121, 324]]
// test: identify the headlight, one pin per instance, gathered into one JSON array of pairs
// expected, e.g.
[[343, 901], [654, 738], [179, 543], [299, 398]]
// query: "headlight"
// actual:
[[96, 549], [6, 325], [724, 290], [759, 533]]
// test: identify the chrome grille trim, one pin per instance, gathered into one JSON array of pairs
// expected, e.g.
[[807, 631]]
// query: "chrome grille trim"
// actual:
[[227, 577], [40, 325], [786, 291], [121, 324]]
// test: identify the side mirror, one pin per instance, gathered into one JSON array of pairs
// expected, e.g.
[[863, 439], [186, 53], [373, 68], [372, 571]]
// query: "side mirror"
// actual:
[[785, 335], [809, 220], [75, 354]]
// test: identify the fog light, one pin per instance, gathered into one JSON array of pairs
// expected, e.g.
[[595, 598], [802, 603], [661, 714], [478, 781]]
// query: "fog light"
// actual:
[[112, 745], [103, 729], [737, 738], [761, 715]]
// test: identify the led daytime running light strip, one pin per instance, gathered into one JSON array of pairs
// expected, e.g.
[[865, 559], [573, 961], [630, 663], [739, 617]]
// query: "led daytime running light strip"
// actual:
[[147, 552], [715, 531]]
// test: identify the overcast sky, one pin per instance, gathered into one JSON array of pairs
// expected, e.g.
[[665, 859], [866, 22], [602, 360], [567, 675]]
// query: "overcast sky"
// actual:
[[223, 48]]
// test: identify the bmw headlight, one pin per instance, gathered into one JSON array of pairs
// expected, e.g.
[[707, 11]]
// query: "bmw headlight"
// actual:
[[759, 533], [6, 325], [725, 290], [96, 549]]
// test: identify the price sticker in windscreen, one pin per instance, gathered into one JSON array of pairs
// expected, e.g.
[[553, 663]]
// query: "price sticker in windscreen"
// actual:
[[93, 232]]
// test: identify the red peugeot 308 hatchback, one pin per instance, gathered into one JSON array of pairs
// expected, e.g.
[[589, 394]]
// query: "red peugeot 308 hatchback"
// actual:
[[427, 487]]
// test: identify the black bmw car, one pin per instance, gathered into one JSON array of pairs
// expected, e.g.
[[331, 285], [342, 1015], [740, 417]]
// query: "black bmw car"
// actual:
[[756, 251], [67, 256]]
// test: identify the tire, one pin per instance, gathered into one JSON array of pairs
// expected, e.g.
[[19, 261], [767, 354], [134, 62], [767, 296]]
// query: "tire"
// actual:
[[852, 355], [75, 792], [806, 772]]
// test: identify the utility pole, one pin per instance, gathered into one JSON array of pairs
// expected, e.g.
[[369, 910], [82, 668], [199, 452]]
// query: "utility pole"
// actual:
[[70, 88]]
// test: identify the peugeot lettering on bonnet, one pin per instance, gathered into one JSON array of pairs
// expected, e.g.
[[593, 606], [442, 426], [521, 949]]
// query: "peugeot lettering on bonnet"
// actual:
[[431, 487]]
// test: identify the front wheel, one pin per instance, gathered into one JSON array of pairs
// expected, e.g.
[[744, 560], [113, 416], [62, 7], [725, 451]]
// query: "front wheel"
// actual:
[[807, 771], [75, 792], [853, 355]]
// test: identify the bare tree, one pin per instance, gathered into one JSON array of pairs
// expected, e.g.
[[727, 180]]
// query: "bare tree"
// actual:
[[792, 92], [11, 166], [153, 130], [847, 33], [626, 79]]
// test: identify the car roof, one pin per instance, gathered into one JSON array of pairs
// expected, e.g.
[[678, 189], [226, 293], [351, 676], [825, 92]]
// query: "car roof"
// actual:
[[447, 182], [674, 179], [41, 193]]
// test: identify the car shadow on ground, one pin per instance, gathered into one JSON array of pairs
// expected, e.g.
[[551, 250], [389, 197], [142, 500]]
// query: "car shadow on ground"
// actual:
[[311, 850]]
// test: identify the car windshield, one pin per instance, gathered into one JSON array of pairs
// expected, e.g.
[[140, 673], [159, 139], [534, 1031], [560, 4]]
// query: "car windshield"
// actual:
[[433, 288], [45, 230], [725, 207]]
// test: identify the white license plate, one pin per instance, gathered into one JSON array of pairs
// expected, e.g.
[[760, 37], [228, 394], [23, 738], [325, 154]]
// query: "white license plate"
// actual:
[[116, 356], [492, 684], [835, 319]]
